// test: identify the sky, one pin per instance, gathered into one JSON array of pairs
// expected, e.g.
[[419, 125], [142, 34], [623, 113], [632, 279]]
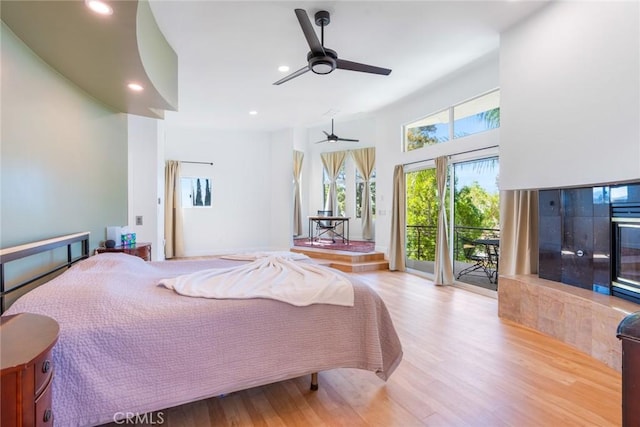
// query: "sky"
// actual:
[[466, 173]]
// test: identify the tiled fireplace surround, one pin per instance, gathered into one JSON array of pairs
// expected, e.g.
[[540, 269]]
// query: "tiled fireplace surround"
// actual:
[[580, 317]]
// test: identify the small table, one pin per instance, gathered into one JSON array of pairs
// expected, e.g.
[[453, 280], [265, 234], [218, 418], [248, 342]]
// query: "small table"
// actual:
[[142, 250], [27, 369], [334, 221]]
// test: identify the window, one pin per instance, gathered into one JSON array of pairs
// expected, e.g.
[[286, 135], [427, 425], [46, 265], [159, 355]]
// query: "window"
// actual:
[[477, 115], [473, 116], [427, 131], [340, 190], [359, 191]]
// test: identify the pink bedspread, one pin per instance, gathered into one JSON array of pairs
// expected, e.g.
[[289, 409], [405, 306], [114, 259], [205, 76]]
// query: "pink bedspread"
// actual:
[[129, 345]]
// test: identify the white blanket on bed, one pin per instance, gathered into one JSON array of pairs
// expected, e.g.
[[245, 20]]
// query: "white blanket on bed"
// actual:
[[271, 275]]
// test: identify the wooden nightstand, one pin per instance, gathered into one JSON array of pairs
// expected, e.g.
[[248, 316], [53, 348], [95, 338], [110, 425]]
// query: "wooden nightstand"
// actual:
[[142, 250], [27, 369]]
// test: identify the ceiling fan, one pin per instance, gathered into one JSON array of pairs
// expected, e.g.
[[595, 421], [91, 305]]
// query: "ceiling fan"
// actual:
[[320, 59], [334, 138]]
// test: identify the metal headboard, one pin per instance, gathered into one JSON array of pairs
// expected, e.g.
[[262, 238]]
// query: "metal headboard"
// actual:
[[23, 251]]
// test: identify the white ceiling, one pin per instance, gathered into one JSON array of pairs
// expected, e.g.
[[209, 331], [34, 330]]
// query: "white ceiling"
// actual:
[[229, 52]]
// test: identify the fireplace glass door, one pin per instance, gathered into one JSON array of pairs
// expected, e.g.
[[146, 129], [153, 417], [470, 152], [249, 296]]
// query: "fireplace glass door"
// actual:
[[627, 255]]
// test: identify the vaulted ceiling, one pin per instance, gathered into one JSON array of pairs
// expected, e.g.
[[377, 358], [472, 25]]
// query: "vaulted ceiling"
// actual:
[[228, 54]]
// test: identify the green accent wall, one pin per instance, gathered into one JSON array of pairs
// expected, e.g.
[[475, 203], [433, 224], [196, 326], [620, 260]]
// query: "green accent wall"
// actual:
[[63, 155]]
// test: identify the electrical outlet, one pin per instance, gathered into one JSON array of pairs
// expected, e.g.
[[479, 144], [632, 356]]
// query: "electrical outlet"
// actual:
[[139, 220]]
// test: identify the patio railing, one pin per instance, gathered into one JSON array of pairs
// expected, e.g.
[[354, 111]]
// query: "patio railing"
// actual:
[[421, 243], [421, 240]]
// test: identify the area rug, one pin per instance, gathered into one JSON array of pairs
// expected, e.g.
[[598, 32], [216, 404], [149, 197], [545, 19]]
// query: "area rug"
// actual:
[[353, 246]]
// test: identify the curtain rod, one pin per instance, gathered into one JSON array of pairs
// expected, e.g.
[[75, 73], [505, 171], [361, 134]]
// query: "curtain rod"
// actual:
[[198, 163], [449, 155]]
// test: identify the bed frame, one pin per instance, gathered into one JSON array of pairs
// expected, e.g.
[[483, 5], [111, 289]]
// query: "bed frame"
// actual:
[[19, 252]]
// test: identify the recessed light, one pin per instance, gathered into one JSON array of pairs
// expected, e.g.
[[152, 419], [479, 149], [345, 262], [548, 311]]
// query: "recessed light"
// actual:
[[253, 112], [283, 68], [99, 7], [135, 87]]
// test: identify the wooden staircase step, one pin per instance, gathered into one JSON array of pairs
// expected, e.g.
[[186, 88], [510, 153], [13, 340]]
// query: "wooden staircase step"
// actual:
[[360, 267], [351, 262]]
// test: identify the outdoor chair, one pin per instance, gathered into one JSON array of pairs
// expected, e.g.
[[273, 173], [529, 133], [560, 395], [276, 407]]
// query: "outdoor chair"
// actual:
[[480, 258]]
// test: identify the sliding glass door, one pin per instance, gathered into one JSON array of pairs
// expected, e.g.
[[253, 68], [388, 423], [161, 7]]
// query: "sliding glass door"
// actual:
[[476, 222], [472, 207], [422, 219]]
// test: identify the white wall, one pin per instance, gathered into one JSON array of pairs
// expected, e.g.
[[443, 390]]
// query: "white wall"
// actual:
[[145, 172], [570, 101], [243, 186]]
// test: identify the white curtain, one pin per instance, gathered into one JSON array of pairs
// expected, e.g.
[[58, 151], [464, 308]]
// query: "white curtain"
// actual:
[[397, 243], [518, 232], [332, 163], [443, 274], [365, 160], [174, 241], [298, 157]]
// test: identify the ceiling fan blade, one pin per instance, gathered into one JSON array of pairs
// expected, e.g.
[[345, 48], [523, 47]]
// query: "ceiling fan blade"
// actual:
[[318, 142], [293, 75], [309, 32], [325, 132], [347, 139], [343, 64]]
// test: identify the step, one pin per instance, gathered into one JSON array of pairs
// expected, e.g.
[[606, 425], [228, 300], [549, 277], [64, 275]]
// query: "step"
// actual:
[[344, 256], [360, 267], [350, 262]]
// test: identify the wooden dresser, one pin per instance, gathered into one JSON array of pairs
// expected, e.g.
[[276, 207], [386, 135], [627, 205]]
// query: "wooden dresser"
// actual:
[[26, 343], [142, 250]]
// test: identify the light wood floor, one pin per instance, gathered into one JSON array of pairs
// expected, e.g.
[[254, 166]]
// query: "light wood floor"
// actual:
[[462, 366]]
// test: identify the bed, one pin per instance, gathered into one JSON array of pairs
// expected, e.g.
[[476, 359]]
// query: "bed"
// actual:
[[128, 344]]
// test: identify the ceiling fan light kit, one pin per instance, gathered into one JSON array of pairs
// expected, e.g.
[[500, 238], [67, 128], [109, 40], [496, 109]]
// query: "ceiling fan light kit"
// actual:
[[320, 59], [322, 64], [334, 138]]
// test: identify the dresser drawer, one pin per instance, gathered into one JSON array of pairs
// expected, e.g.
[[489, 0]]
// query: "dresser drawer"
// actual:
[[43, 367], [44, 413]]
